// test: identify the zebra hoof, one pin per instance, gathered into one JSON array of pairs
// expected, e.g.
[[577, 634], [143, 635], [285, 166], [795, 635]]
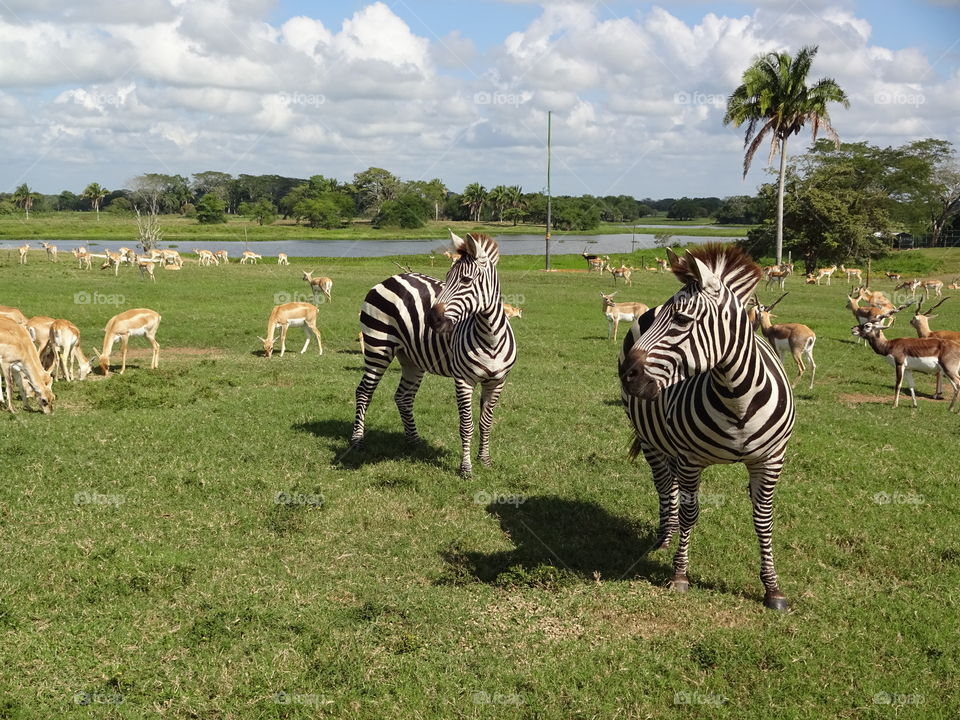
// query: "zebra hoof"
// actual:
[[356, 443], [776, 601], [485, 461], [680, 584]]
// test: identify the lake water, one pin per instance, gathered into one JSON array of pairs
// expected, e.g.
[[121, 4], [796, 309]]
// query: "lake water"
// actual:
[[509, 245]]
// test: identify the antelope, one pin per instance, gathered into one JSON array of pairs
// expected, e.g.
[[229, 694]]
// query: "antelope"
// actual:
[[864, 315], [826, 272], [451, 256], [64, 344], [877, 299], [623, 271], [51, 251], [910, 285], [615, 312], [18, 354], [921, 323], [935, 285], [852, 273], [779, 275], [249, 257], [127, 255], [291, 314], [205, 257], [662, 264], [112, 260], [282, 259], [223, 256], [38, 327], [323, 284], [512, 312], [927, 355], [24, 249], [171, 258], [83, 258], [894, 276], [139, 321], [12, 313], [955, 285], [598, 264], [652, 268], [797, 338], [146, 265]]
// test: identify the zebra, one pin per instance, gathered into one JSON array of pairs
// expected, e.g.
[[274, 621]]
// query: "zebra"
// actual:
[[700, 389], [457, 329]]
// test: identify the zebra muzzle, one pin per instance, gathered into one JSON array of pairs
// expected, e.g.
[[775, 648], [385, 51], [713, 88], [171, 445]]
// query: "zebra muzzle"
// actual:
[[634, 377], [437, 320]]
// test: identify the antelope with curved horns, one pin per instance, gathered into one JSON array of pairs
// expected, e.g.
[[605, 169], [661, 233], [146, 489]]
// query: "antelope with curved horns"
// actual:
[[921, 323], [864, 315], [927, 355], [323, 284], [797, 338]]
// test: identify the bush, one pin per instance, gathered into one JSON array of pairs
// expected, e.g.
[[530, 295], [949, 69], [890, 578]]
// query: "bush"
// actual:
[[211, 210], [407, 211]]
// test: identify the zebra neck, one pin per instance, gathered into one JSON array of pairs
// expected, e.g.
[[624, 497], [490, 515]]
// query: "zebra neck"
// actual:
[[489, 327], [738, 378]]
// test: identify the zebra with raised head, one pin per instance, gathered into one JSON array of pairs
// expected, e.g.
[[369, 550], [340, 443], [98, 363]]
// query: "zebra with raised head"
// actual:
[[456, 328], [702, 389]]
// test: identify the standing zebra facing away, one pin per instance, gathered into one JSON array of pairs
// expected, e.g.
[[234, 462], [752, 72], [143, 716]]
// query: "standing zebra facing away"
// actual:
[[702, 389], [456, 328]]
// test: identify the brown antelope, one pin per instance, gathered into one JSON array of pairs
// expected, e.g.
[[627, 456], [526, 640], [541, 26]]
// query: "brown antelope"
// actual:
[[894, 276], [291, 314], [323, 284], [615, 312], [64, 345], [113, 260], [877, 298], [452, 256], [797, 338], [826, 272], [512, 312], [926, 355], [936, 286], [852, 273], [51, 251], [653, 268], [598, 264], [282, 259], [249, 257], [24, 249], [146, 265], [12, 313], [83, 258], [171, 259], [910, 285], [205, 258], [127, 255], [921, 323], [662, 264], [223, 256], [622, 272], [955, 285], [38, 328], [779, 274], [19, 355], [864, 315], [130, 323]]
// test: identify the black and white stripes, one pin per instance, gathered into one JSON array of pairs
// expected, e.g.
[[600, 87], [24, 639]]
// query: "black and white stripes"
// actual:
[[702, 389], [456, 329]]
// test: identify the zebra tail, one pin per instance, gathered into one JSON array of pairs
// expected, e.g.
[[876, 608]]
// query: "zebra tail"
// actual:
[[636, 448]]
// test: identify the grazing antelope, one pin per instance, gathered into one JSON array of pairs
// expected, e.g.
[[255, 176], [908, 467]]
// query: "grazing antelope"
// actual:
[[512, 311], [24, 249], [19, 354], [64, 344], [51, 251], [622, 272], [779, 275], [38, 327], [955, 285], [852, 273], [249, 257], [130, 323], [282, 259], [826, 272], [291, 314], [83, 259], [146, 265], [662, 264], [921, 323], [932, 285], [323, 284], [615, 312], [797, 338], [205, 258], [223, 256], [171, 259], [12, 313], [910, 285], [894, 276], [926, 355]]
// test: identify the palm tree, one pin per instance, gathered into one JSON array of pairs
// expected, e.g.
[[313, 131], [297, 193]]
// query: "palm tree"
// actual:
[[500, 197], [474, 196], [23, 197], [774, 100], [95, 194]]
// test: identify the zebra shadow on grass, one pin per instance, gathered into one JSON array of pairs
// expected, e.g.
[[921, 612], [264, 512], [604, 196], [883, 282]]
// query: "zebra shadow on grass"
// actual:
[[558, 542], [378, 446]]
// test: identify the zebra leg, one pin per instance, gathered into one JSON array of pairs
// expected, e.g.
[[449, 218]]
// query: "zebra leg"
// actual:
[[375, 365], [665, 482], [763, 480], [406, 392], [688, 479], [489, 397], [465, 408]]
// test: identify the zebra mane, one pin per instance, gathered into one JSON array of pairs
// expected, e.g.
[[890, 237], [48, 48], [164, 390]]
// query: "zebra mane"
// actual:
[[489, 244], [735, 268]]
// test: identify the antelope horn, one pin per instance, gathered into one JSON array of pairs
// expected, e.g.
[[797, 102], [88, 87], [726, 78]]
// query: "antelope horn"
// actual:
[[890, 313], [778, 300], [935, 306]]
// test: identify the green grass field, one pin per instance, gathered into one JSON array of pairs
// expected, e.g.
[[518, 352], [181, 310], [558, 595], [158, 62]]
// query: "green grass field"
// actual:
[[110, 226], [150, 571]]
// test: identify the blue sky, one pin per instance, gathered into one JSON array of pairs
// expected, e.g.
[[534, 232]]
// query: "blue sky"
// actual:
[[456, 90]]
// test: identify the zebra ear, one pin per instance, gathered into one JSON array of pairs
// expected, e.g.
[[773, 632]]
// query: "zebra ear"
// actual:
[[475, 249], [458, 242], [672, 257], [706, 278]]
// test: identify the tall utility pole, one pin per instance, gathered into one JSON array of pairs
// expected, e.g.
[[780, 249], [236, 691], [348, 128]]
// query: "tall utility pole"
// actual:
[[549, 197]]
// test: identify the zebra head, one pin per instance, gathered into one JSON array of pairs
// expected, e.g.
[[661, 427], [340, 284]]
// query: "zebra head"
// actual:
[[698, 328], [471, 285]]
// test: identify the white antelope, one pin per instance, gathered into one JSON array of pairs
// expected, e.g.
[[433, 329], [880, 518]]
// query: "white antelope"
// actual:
[[826, 272], [64, 344], [19, 355], [615, 312], [921, 323], [797, 338], [926, 355], [127, 255], [130, 323], [249, 257], [512, 312], [622, 272], [282, 259], [291, 314], [852, 273], [51, 251], [322, 284]]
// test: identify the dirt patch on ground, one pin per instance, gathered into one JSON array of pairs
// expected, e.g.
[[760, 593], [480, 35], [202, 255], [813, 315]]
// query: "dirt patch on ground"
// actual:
[[168, 352], [860, 398]]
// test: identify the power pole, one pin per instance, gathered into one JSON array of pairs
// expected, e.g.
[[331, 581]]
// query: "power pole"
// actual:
[[549, 197]]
